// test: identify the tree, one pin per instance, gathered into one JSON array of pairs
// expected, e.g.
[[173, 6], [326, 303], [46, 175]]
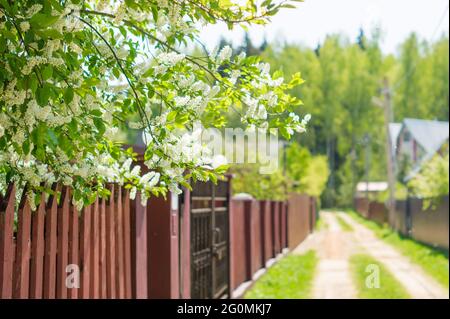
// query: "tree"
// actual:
[[74, 72]]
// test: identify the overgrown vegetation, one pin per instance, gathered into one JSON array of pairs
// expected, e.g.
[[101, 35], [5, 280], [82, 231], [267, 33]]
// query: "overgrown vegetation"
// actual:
[[389, 287], [432, 182], [304, 173], [343, 224], [342, 77], [434, 261], [290, 278]]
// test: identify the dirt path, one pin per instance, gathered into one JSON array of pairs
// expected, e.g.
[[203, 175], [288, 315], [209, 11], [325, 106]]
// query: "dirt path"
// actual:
[[334, 248], [419, 284]]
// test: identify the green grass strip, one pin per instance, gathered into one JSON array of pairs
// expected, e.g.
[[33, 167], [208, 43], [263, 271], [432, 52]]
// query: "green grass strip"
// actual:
[[433, 261], [344, 225], [290, 278], [364, 269], [321, 224]]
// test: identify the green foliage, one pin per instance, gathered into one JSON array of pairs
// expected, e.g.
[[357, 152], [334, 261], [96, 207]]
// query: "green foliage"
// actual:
[[342, 76], [389, 288], [74, 73], [290, 278], [433, 261], [307, 174], [423, 79], [432, 182], [247, 179], [401, 193]]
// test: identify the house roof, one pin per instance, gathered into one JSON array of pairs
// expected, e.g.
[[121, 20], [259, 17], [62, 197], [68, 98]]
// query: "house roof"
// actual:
[[429, 134], [371, 186]]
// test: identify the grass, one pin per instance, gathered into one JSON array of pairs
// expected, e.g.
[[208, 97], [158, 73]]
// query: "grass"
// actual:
[[344, 225], [290, 278], [321, 224], [389, 287], [434, 261]]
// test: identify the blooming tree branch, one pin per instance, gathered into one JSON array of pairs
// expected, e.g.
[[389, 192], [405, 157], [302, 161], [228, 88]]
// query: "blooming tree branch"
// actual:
[[73, 73]]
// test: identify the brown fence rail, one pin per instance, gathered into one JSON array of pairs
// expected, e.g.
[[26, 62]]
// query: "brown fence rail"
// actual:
[[49, 248]]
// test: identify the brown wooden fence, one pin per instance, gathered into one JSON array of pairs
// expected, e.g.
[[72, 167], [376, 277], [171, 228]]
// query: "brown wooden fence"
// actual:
[[301, 218], [260, 230], [430, 226], [43, 253], [121, 249]]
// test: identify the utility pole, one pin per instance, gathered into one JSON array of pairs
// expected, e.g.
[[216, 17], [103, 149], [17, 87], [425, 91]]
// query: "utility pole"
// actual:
[[386, 104], [367, 161]]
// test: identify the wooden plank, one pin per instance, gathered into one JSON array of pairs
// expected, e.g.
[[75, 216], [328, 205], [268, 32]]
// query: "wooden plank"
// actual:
[[74, 251], [6, 242], [21, 276], [127, 242], [37, 251], [85, 252], [50, 246], [95, 252], [111, 247], [103, 277], [120, 275], [140, 250], [63, 244]]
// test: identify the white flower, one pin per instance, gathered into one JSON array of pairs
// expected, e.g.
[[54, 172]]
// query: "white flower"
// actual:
[[224, 54], [24, 26], [35, 8], [133, 192], [219, 160], [306, 119], [2, 131], [150, 179], [127, 164], [144, 198]]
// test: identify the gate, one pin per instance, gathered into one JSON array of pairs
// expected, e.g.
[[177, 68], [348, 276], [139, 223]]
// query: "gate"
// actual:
[[210, 240]]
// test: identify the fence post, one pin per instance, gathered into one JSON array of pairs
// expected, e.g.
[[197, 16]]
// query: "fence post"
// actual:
[[140, 249]]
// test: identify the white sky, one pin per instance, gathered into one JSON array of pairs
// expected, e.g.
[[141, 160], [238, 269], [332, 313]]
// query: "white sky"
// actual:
[[314, 19]]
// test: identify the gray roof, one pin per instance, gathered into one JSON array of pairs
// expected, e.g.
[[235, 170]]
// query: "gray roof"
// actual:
[[429, 134]]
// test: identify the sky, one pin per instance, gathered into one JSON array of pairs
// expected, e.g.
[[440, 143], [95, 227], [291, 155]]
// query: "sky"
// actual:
[[314, 19]]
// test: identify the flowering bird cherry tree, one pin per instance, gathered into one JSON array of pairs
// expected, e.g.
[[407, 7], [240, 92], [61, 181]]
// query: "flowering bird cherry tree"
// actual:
[[73, 72]]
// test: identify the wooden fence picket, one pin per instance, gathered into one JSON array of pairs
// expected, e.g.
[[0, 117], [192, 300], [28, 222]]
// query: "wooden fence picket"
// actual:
[[6, 242], [74, 252], [85, 254], [21, 276], [37, 251], [103, 263]]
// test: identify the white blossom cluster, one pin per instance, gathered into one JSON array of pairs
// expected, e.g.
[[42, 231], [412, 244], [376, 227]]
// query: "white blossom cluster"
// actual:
[[77, 74]]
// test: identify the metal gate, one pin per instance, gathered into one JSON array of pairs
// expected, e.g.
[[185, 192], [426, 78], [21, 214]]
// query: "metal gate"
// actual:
[[210, 240]]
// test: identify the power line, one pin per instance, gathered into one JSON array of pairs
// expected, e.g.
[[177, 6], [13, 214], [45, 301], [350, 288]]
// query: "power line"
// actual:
[[410, 72]]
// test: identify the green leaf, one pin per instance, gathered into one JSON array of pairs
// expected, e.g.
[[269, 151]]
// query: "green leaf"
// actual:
[[47, 72], [26, 147], [68, 95], [41, 20], [100, 125], [42, 95]]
